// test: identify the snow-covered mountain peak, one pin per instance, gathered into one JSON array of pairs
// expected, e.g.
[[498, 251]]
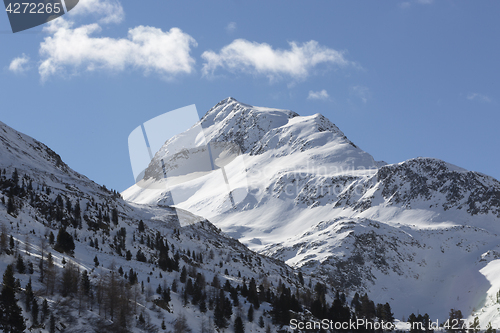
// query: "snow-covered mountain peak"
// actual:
[[316, 200]]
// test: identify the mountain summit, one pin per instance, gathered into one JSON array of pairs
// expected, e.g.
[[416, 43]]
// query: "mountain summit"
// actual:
[[421, 234]]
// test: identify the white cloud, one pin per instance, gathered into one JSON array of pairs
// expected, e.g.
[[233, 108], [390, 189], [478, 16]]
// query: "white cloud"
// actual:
[[231, 27], [261, 59], [109, 11], [478, 97], [146, 48], [19, 64], [361, 92], [407, 4], [323, 94]]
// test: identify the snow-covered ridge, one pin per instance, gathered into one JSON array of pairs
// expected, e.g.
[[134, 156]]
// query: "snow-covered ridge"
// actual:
[[317, 201], [429, 182], [43, 195]]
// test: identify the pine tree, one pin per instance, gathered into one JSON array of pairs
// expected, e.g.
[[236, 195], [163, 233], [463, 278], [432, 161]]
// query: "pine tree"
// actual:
[[250, 313], [11, 319], [64, 242], [180, 325], [29, 296], [15, 177], [261, 322], [52, 324], [238, 325], [219, 317], [141, 319], [96, 261], [3, 238], [141, 226], [34, 311], [301, 278], [183, 275], [45, 310], [20, 267], [10, 205]]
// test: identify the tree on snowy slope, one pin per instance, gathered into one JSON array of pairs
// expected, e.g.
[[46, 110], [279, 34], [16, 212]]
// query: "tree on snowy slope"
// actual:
[[64, 242], [11, 319]]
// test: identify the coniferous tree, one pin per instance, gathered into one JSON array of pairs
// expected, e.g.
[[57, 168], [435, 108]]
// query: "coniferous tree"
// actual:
[[10, 205], [3, 238], [238, 325], [52, 324], [11, 242], [261, 322], [29, 296], [50, 274], [203, 306], [45, 310], [20, 267], [114, 216], [15, 177], [183, 275], [11, 319], [180, 325], [34, 311], [141, 226], [69, 280], [219, 313], [250, 313], [64, 242], [301, 278]]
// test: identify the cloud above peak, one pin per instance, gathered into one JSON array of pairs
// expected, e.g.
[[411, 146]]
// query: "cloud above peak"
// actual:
[[261, 59], [146, 48], [320, 95]]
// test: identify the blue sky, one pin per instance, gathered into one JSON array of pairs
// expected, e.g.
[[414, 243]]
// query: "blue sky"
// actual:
[[401, 79]]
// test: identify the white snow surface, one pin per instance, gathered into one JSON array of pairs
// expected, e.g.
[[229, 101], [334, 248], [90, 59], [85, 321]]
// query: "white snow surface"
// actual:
[[421, 234], [29, 227]]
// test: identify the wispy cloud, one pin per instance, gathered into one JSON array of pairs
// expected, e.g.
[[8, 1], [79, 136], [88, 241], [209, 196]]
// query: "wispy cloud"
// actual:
[[20, 64], [107, 11], [70, 49], [261, 59], [231, 27], [361, 92], [322, 95], [149, 49], [407, 4], [478, 97]]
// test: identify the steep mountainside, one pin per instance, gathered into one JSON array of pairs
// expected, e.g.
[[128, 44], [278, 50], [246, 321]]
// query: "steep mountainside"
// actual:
[[100, 263], [421, 234]]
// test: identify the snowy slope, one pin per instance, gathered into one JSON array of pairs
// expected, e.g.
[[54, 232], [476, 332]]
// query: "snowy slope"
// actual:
[[422, 229], [43, 178]]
